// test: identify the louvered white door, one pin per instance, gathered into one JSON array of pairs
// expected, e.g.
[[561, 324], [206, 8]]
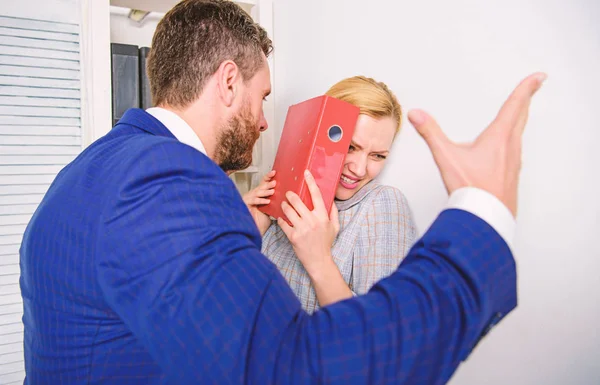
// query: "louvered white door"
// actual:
[[40, 132]]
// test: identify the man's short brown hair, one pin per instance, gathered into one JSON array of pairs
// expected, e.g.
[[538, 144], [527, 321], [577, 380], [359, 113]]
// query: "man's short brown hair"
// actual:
[[193, 39]]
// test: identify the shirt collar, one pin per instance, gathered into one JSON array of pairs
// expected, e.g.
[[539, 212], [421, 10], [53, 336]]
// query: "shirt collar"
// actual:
[[358, 197], [178, 127]]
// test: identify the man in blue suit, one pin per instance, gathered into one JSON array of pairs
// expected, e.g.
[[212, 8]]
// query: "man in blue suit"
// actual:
[[142, 264]]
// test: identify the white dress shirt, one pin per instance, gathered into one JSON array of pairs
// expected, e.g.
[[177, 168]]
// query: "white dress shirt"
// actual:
[[476, 201], [178, 127], [487, 207]]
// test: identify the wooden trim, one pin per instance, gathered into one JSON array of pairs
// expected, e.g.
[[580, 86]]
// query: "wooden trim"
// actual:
[[95, 70], [264, 15]]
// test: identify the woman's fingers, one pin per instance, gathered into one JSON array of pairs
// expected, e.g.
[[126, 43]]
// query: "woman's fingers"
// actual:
[[315, 194], [291, 214], [298, 205]]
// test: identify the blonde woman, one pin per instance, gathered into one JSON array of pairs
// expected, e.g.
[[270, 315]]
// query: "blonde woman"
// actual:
[[376, 228]]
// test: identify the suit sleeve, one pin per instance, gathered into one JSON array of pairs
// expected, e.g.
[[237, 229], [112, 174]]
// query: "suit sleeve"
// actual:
[[178, 261], [416, 326]]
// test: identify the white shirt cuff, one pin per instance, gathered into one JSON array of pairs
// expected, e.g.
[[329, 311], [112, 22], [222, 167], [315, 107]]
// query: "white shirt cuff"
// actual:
[[487, 207]]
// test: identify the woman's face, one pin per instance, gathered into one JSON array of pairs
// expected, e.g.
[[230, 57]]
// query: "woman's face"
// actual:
[[367, 154]]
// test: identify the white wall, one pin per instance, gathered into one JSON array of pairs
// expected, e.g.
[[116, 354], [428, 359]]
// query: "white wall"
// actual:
[[459, 60]]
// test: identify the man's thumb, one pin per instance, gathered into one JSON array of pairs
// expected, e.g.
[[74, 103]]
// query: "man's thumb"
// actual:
[[428, 128]]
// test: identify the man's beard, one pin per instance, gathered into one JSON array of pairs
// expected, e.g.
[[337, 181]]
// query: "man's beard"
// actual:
[[236, 141]]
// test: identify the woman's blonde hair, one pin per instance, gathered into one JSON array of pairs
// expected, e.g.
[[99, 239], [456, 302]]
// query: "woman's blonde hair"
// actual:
[[372, 97]]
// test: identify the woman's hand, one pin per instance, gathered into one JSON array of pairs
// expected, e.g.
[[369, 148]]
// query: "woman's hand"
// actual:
[[312, 236], [312, 232], [260, 196]]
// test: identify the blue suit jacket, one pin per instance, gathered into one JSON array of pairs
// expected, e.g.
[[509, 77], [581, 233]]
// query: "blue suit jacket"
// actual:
[[143, 265]]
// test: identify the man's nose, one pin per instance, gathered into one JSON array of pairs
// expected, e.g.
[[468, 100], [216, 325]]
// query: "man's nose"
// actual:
[[263, 122]]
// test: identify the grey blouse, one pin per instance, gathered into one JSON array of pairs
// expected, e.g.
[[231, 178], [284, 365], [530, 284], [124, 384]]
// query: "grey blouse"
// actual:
[[376, 231]]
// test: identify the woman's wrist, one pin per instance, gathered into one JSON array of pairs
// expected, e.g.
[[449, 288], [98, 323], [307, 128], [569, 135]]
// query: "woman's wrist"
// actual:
[[264, 225], [328, 283], [322, 271]]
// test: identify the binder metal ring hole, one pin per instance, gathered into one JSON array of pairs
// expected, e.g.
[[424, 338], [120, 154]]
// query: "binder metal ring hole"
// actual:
[[335, 133]]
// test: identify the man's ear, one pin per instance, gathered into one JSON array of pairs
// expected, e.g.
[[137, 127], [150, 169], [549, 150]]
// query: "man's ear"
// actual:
[[228, 79]]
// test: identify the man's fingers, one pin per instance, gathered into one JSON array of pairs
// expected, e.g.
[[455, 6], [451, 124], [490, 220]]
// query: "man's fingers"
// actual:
[[315, 193], [513, 114], [437, 141], [428, 128]]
